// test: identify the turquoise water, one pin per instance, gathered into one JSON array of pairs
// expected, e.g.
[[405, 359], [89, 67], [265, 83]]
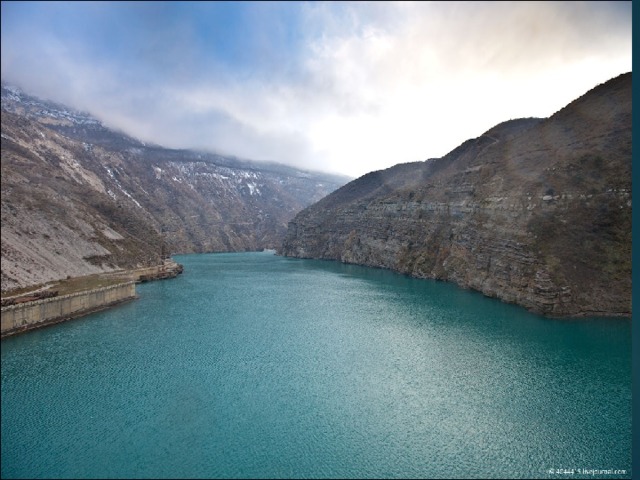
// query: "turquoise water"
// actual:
[[253, 365]]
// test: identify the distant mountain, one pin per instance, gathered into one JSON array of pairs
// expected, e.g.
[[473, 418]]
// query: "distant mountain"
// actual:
[[79, 198], [534, 211]]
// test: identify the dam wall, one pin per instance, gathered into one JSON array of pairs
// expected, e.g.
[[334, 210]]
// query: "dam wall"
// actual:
[[26, 316]]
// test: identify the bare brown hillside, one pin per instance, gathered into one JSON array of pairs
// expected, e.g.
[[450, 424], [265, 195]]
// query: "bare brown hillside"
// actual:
[[534, 211], [79, 199]]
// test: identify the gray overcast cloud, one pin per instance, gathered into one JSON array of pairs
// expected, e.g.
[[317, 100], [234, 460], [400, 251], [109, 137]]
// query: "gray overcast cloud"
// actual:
[[340, 87]]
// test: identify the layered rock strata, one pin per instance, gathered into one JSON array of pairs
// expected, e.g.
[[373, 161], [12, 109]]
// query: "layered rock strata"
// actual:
[[535, 212]]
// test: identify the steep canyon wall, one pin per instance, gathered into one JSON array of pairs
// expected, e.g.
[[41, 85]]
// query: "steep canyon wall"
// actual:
[[535, 212]]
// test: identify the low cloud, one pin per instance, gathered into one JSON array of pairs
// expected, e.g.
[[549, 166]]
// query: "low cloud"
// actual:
[[360, 86]]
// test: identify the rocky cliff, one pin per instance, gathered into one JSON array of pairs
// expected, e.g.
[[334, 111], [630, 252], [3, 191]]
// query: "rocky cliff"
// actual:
[[79, 198], [536, 212]]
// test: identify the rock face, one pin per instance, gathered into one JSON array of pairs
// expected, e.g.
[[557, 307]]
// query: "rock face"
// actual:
[[169, 269], [536, 212], [78, 198]]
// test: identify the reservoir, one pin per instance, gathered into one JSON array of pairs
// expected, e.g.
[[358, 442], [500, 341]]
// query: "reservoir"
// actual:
[[251, 365]]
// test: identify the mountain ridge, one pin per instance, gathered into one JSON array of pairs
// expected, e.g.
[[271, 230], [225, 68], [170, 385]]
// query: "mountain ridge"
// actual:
[[79, 198], [535, 212]]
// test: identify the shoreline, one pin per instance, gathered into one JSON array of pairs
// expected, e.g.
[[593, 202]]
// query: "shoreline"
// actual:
[[66, 318], [43, 306]]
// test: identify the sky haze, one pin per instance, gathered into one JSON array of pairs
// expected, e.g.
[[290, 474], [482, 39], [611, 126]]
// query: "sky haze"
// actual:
[[333, 86]]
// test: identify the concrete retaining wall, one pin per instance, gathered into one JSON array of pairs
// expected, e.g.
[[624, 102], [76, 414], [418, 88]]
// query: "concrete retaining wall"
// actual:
[[25, 316]]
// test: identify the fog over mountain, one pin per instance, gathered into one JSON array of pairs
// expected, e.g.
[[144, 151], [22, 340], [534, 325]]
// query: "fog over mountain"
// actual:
[[79, 198], [342, 87]]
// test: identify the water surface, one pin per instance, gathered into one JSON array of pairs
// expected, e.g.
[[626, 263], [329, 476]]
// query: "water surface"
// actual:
[[253, 365]]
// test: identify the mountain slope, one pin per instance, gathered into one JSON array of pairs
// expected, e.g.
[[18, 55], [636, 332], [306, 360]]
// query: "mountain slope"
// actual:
[[78, 198], [534, 211]]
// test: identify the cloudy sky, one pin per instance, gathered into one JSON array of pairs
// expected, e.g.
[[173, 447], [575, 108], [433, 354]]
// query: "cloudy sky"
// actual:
[[339, 87]]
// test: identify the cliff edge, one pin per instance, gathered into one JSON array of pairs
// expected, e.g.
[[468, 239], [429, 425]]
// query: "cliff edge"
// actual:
[[535, 212]]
